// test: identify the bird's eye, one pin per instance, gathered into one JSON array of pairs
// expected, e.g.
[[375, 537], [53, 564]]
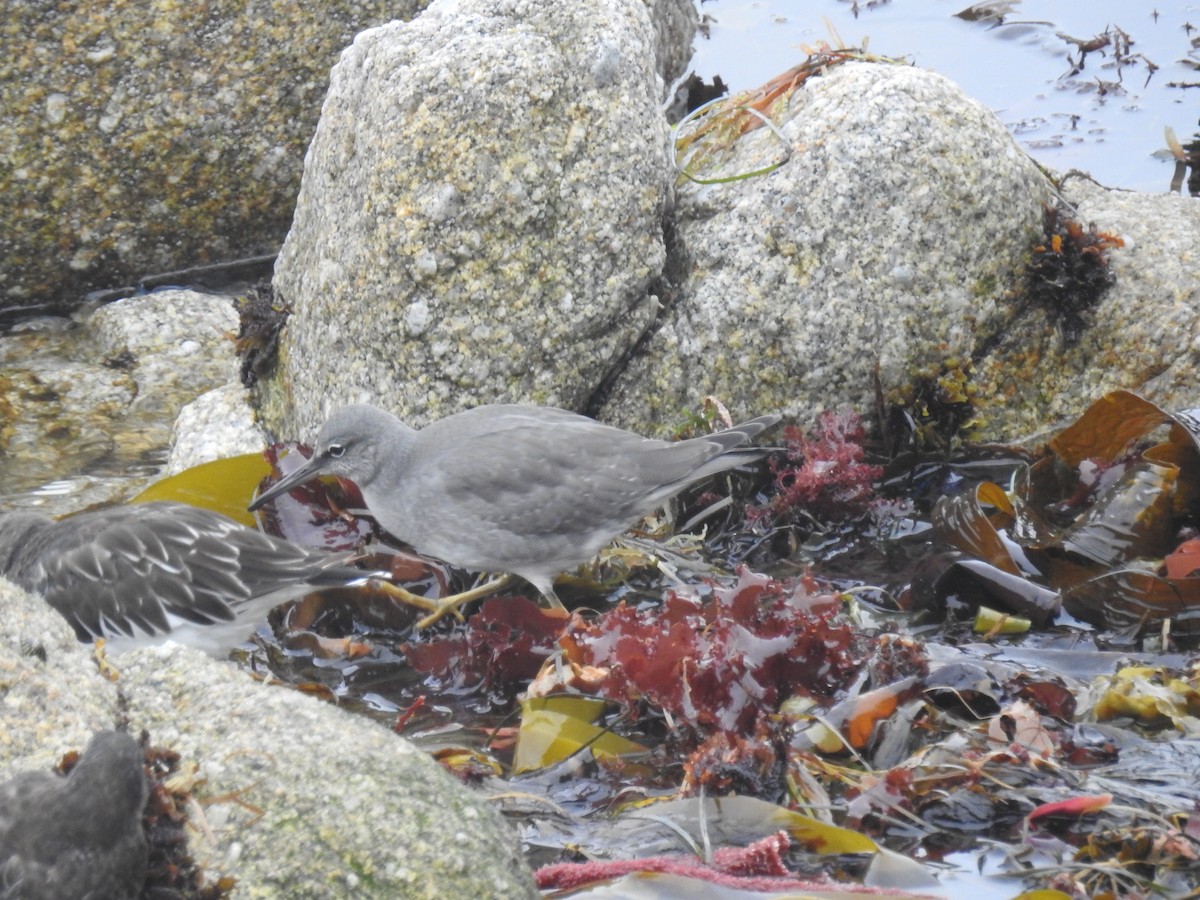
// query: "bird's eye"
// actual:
[[336, 450]]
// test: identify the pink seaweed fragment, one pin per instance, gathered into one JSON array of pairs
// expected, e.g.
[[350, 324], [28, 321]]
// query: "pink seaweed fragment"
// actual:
[[758, 867]]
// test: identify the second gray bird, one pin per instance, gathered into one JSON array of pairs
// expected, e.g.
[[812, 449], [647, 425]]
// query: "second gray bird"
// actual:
[[81, 836], [149, 572], [528, 490]]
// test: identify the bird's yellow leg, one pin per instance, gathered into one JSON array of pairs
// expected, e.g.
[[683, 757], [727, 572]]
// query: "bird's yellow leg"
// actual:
[[404, 596], [454, 601], [439, 608]]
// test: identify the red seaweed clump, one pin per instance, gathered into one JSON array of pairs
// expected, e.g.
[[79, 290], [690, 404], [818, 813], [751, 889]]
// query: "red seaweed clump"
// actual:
[[823, 474], [502, 646], [720, 663], [759, 867]]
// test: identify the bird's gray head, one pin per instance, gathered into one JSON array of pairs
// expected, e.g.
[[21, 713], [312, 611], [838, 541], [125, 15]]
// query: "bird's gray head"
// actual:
[[354, 443]]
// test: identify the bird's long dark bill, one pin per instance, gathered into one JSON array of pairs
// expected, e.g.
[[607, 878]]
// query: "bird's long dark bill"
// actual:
[[306, 472]]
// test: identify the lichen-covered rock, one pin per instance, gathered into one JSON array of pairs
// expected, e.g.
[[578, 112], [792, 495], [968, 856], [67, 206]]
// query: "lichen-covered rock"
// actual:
[[882, 244], [146, 137], [480, 217], [1142, 333]]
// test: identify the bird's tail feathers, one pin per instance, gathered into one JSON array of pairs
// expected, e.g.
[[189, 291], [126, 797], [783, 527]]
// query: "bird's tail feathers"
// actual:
[[743, 433]]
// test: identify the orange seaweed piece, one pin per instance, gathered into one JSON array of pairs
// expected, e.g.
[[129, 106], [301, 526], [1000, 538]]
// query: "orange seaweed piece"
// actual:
[[1075, 806]]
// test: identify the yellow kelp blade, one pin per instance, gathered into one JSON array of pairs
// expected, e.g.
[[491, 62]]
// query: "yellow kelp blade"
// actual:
[[224, 485], [554, 728], [1151, 694], [992, 622]]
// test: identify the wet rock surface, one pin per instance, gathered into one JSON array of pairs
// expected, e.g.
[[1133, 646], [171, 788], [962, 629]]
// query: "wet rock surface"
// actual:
[[98, 393]]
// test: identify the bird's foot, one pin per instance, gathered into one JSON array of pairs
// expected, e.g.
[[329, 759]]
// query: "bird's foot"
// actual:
[[452, 603], [445, 606], [404, 596]]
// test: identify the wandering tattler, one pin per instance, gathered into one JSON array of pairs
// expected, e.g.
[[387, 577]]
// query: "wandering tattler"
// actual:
[[79, 836], [527, 490], [150, 572]]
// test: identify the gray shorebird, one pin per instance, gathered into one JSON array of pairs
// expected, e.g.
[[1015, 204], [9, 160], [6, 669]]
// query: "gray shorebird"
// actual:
[[526, 490], [78, 836], [146, 573]]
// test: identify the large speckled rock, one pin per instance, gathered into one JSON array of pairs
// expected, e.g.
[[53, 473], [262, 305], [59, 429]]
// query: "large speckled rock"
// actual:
[[884, 242], [146, 137], [1142, 335], [300, 798], [481, 212]]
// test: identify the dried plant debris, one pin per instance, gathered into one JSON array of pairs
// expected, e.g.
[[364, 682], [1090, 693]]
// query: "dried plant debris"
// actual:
[[1069, 271], [1115, 41], [1114, 44], [935, 413], [703, 137], [170, 812], [262, 316]]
